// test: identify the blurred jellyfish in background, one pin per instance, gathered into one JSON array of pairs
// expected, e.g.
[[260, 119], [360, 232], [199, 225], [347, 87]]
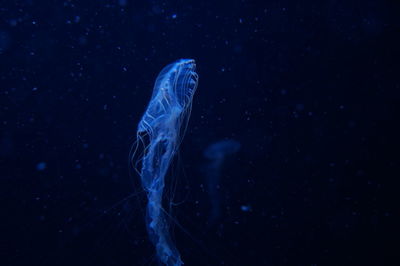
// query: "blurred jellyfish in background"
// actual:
[[216, 153], [5, 41]]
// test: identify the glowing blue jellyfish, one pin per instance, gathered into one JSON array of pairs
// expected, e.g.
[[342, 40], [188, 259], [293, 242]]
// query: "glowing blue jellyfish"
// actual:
[[216, 154], [161, 130]]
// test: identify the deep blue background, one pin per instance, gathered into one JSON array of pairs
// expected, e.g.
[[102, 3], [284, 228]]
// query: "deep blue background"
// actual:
[[309, 89]]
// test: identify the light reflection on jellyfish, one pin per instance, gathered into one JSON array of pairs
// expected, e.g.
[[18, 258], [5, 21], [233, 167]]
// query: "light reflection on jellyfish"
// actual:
[[160, 131], [216, 154]]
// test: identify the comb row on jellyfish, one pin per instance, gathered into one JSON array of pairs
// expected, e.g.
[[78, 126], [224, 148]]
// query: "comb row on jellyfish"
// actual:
[[159, 134]]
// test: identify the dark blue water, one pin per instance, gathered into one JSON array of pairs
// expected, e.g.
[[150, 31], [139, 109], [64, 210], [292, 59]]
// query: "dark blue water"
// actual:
[[309, 89]]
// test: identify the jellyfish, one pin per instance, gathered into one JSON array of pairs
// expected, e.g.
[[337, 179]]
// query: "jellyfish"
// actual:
[[159, 133], [216, 154]]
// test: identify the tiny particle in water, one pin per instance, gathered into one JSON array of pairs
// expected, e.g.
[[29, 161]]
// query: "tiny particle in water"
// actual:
[[12, 22], [122, 2], [41, 166], [34, 89], [173, 16], [300, 107], [245, 208]]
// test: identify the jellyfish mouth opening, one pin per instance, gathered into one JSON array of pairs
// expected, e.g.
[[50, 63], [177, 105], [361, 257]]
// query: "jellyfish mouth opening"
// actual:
[[188, 63]]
